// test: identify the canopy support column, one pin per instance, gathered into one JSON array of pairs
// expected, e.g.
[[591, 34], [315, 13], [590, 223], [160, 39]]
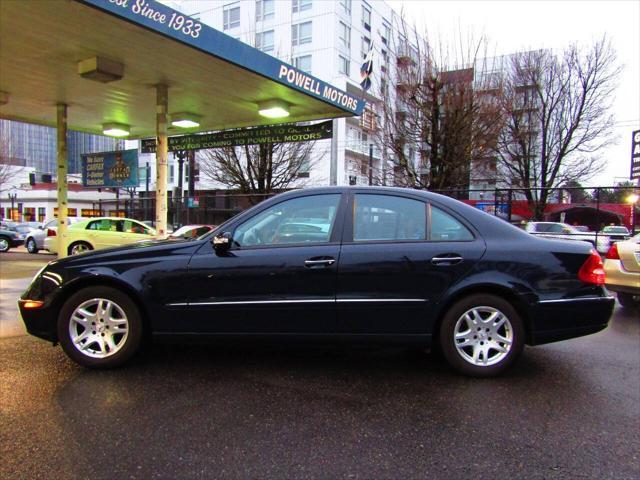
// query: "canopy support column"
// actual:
[[61, 147], [161, 159]]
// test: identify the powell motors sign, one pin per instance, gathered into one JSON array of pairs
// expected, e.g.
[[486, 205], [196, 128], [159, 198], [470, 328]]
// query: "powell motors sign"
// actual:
[[245, 136], [169, 22], [635, 155]]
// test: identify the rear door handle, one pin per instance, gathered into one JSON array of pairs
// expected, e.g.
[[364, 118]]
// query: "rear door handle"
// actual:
[[449, 260], [319, 263]]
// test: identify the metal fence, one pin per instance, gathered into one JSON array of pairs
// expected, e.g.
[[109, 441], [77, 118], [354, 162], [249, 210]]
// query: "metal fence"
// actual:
[[587, 208]]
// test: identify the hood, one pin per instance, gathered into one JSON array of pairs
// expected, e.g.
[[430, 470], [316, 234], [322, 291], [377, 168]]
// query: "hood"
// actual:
[[133, 251]]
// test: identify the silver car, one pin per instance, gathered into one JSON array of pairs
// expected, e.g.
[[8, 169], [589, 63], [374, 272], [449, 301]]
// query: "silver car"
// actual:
[[35, 239]]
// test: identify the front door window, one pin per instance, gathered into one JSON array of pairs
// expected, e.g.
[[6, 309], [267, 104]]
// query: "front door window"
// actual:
[[307, 220]]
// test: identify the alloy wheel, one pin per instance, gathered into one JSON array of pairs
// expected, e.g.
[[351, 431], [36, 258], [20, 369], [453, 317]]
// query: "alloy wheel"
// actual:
[[98, 328], [483, 336], [79, 248], [4, 244], [31, 246]]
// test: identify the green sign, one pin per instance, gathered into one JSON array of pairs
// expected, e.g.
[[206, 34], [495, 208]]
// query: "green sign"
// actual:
[[245, 136]]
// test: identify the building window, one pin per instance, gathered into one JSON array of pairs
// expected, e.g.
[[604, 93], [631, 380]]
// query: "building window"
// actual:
[[231, 16], [366, 16], [303, 63], [346, 4], [264, 41], [300, 5], [345, 35], [265, 10], [301, 33], [386, 33], [42, 212], [343, 65], [366, 46]]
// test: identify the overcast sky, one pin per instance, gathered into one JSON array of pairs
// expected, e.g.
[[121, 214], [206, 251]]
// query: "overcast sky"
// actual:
[[513, 25]]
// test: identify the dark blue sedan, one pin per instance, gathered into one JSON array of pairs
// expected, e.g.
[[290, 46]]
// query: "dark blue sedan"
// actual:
[[378, 264]]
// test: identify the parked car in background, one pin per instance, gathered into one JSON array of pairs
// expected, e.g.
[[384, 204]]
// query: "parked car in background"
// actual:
[[22, 229], [380, 264], [622, 271], [188, 232], [9, 239], [561, 231], [35, 239], [101, 232], [611, 234]]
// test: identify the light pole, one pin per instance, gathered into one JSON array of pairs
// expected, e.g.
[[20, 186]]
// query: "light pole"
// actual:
[[12, 196], [632, 199]]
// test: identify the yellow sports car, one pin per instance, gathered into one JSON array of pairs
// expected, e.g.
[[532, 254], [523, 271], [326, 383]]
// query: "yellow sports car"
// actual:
[[103, 232], [622, 271]]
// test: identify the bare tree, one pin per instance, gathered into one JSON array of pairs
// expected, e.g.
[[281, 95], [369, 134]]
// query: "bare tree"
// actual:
[[556, 118], [439, 121], [262, 169], [10, 167]]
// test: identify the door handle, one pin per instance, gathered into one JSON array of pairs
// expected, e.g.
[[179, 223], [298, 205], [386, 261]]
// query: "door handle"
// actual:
[[452, 260], [325, 262]]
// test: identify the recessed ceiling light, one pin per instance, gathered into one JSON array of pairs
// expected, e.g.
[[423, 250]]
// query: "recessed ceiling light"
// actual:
[[185, 120], [273, 109], [116, 129]]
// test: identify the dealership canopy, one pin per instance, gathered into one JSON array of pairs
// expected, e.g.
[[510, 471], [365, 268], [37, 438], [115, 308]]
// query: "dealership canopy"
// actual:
[[132, 66], [208, 73]]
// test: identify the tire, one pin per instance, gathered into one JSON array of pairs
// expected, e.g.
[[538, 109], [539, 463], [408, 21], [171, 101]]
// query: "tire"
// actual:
[[5, 244], [627, 301], [490, 332], [32, 246], [118, 329], [77, 248]]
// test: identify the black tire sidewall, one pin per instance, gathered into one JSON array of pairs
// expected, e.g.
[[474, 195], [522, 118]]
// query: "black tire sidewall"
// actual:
[[134, 336], [31, 241], [626, 301], [447, 328]]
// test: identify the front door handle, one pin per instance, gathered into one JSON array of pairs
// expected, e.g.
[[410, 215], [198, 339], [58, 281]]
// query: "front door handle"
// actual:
[[446, 260], [319, 262]]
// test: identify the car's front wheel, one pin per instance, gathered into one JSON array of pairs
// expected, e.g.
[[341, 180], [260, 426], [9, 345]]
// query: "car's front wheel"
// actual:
[[79, 247], [32, 247], [481, 335], [100, 327]]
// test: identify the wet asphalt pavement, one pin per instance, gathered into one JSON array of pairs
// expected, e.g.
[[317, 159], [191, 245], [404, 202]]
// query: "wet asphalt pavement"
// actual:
[[567, 410]]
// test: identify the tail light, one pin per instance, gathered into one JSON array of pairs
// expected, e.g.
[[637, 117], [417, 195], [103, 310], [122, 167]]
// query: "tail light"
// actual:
[[612, 254], [592, 271], [51, 232]]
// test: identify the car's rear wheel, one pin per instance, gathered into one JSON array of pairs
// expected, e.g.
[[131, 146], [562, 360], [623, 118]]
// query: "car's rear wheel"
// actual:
[[100, 327], [32, 247], [627, 300], [5, 244], [481, 335], [79, 247]]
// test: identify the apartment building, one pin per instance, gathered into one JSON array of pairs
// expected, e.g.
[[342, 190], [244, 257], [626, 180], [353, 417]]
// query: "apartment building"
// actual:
[[329, 40]]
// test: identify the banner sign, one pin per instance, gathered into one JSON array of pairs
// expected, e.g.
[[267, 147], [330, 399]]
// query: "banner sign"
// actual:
[[110, 169], [245, 136], [635, 155], [162, 19], [500, 209]]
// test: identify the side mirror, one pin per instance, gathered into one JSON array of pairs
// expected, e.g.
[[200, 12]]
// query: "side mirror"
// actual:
[[222, 242]]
